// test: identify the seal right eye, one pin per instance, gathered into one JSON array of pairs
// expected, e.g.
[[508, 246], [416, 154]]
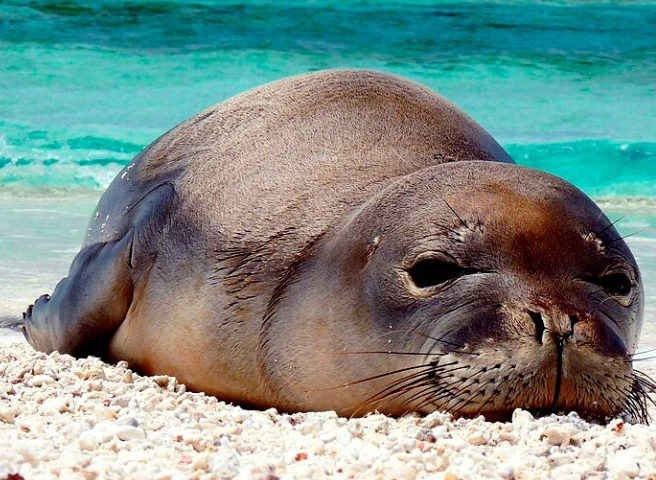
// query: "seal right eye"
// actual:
[[430, 272]]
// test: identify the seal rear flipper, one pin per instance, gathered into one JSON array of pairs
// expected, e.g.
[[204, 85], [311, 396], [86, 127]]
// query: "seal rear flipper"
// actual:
[[89, 305]]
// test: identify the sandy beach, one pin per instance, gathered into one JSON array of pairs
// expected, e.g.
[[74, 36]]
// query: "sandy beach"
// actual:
[[62, 417]]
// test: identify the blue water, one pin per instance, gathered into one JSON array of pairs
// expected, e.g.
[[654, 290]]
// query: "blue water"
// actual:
[[568, 87], [565, 87]]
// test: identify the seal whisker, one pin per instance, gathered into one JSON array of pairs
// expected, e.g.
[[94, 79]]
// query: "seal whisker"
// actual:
[[371, 352], [493, 394], [638, 407], [619, 239], [423, 334], [630, 401], [401, 383], [451, 344], [598, 233], [464, 224], [643, 398], [634, 405], [385, 393], [509, 387], [644, 352], [433, 397], [386, 390], [457, 407], [645, 380], [629, 398], [374, 377], [401, 390], [390, 352], [446, 391], [440, 388], [380, 397], [427, 394], [474, 394], [631, 360], [644, 390]]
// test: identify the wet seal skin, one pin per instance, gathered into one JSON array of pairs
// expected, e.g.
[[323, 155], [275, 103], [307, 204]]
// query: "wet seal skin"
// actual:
[[348, 240]]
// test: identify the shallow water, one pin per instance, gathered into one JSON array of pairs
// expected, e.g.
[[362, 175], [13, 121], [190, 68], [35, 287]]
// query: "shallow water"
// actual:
[[565, 87], [41, 235]]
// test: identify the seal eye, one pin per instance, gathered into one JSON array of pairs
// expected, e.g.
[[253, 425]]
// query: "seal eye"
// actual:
[[431, 271], [617, 283]]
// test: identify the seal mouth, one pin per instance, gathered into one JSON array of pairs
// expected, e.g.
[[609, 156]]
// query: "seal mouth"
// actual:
[[560, 347], [540, 331], [554, 377], [558, 336]]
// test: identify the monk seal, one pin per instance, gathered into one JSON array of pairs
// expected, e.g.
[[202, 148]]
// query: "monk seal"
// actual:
[[351, 241]]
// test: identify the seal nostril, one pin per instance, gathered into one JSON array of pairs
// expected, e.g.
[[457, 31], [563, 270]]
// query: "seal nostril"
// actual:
[[539, 325], [573, 320]]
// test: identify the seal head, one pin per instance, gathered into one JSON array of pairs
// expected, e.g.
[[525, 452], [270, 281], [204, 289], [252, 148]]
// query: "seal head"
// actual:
[[475, 288]]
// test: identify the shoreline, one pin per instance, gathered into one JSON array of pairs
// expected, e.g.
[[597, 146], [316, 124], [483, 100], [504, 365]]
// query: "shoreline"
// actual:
[[83, 418]]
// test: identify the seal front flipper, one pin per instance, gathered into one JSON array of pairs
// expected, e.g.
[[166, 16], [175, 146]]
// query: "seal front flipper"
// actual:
[[89, 305]]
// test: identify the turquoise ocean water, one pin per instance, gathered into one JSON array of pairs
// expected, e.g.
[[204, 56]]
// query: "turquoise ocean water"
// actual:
[[568, 87]]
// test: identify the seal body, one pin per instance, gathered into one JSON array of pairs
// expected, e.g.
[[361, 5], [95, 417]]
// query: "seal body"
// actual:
[[350, 240]]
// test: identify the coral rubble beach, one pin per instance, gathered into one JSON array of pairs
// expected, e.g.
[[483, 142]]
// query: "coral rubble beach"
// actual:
[[83, 418]]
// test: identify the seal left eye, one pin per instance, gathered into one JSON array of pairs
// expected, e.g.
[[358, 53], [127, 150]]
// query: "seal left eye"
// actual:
[[431, 271], [617, 283]]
